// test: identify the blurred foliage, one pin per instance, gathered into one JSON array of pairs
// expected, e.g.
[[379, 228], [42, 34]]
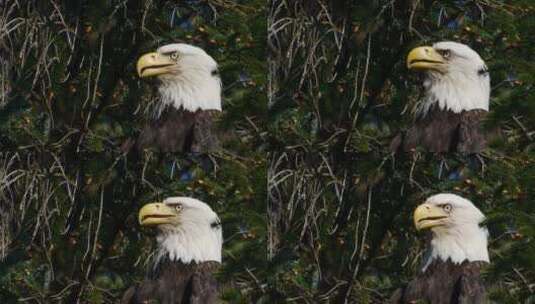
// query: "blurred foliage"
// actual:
[[339, 211], [340, 205], [70, 99]]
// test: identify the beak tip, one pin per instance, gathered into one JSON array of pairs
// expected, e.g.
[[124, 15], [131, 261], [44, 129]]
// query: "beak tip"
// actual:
[[152, 64], [139, 68], [424, 58]]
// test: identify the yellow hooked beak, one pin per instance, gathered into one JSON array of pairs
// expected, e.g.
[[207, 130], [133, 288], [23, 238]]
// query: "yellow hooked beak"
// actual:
[[157, 214], [153, 64], [429, 216], [425, 58]]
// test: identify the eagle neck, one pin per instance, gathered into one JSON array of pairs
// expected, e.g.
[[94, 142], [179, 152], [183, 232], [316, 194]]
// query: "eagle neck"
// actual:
[[164, 265], [189, 243], [455, 91], [199, 90], [458, 244]]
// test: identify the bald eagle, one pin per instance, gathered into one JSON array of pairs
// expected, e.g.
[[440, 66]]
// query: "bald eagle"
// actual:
[[189, 251], [189, 101], [456, 253], [455, 100]]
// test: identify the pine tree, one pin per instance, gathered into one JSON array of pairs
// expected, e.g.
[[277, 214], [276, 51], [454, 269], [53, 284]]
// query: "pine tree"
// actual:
[[70, 100], [340, 203]]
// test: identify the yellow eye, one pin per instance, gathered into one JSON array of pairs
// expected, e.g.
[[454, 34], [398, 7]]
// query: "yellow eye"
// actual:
[[445, 53], [174, 56], [178, 207], [447, 207]]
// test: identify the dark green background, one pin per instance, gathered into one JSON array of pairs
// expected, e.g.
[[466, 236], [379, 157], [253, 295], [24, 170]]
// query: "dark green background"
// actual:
[[69, 195], [340, 204], [314, 90]]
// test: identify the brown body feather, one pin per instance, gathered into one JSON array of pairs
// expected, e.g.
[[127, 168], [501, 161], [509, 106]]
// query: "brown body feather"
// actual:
[[178, 130], [176, 283], [444, 131], [445, 283]]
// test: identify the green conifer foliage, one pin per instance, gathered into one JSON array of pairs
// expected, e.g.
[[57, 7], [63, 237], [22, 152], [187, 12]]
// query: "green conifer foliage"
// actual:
[[340, 203], [70, 100]]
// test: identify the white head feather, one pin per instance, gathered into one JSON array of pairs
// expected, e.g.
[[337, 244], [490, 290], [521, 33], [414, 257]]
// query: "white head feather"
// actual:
[[461, 238], [462, 86], [193, 83], [198, 237]]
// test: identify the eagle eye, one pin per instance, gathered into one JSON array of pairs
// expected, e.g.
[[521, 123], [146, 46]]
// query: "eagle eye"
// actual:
[[174, 56], [446, 207], [444, 53], [216, 223], [178, 207]]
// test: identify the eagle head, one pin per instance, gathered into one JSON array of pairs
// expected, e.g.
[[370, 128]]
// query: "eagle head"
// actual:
[[454, 223], [188, 229], [456, 78], [189, 77]]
